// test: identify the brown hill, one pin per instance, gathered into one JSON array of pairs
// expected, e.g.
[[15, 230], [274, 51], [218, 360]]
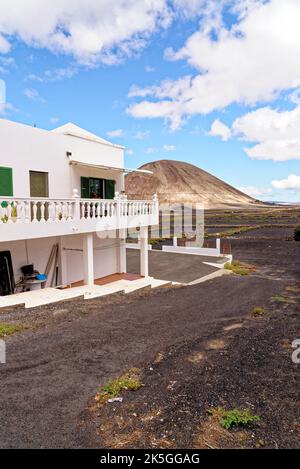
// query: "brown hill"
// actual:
[[176, 182]]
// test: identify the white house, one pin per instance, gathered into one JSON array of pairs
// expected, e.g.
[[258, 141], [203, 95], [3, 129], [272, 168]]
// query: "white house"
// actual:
[[61, 192]]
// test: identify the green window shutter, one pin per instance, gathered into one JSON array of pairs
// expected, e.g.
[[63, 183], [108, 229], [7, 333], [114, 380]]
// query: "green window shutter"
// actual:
[[109, 189], [6, 182], [85, 188]]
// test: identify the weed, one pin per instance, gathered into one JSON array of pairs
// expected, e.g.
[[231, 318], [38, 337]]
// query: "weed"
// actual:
[[8, 329], [232, 231], [283, 299], [297, 234], [293, 289], [258, 311], [235, 417], [240, 268], [129, 381]]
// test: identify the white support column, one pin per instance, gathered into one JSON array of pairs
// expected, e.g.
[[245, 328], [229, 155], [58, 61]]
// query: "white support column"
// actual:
[[144, 257], [63, 263], [88, 259], [122, 251]]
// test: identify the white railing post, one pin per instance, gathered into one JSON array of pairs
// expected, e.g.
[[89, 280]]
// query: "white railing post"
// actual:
[[27, 211], [218, 246], [76, 212], [156, 203], [118, 210], [88, 259], [144, 267]]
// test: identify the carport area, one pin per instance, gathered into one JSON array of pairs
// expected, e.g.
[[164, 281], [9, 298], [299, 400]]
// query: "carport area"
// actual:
[[170, 266]]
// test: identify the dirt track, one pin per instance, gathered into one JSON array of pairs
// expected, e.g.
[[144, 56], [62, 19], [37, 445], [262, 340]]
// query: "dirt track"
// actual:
[[55, 366]]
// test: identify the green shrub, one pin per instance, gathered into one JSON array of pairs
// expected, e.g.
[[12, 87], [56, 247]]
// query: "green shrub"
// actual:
[[258, 311], [8, 329], [129, 381], [234, 417], [297, 234]]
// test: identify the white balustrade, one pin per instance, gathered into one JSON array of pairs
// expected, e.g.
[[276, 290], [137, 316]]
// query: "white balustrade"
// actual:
[[115, 213], [35, 210]]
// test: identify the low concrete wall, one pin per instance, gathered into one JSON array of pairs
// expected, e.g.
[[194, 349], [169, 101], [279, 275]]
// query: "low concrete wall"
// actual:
[[137, 246], [196, 251]]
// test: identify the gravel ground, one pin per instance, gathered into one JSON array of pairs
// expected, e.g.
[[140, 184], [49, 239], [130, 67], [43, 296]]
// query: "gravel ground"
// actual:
[[55, 365]]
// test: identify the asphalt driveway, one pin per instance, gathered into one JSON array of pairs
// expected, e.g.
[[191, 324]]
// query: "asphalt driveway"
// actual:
[[182, 268]]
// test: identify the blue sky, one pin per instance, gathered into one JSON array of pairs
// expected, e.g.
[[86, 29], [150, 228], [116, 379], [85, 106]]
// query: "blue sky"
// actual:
[[213, 83]]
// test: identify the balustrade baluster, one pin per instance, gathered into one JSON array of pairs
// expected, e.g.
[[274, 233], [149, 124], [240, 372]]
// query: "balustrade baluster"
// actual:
[[34, 212], [42, 208]]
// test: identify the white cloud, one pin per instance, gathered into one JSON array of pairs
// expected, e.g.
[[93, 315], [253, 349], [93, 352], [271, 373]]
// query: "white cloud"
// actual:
[[129, 152], [4, 45], [57, 74], [189, 7], [6, 63], [276, 133], [218, 129], [150, 150], [252, 62], [116, 133], [255, 191], [291, 183], [4, 105], [141, 135], [168, 148], [33, 94], [54, 120], [2, 92], [149, 69], [294, 97], [90, 30]]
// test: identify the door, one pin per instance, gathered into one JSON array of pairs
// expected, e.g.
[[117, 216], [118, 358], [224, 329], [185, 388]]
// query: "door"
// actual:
[[7, 283], [95, 188]]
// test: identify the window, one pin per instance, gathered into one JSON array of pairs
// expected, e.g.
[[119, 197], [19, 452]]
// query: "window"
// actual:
[[6, 182], [39, 186], [93, 188]]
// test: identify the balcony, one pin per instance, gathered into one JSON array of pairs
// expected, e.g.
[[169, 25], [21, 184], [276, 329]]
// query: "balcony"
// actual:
[[37, 218]]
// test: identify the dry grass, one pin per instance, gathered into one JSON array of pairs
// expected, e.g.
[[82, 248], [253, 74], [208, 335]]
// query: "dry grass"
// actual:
[[240, 268], [283, 299]]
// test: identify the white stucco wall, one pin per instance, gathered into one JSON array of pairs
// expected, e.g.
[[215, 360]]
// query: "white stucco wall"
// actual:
[[26, 148], [105, 255]]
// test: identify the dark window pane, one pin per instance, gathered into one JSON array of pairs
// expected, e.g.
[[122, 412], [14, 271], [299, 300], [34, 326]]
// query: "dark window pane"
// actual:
[[38, 184]]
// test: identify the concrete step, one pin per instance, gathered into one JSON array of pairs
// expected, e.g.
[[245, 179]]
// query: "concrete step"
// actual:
[[156, 283], [46, 296]]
